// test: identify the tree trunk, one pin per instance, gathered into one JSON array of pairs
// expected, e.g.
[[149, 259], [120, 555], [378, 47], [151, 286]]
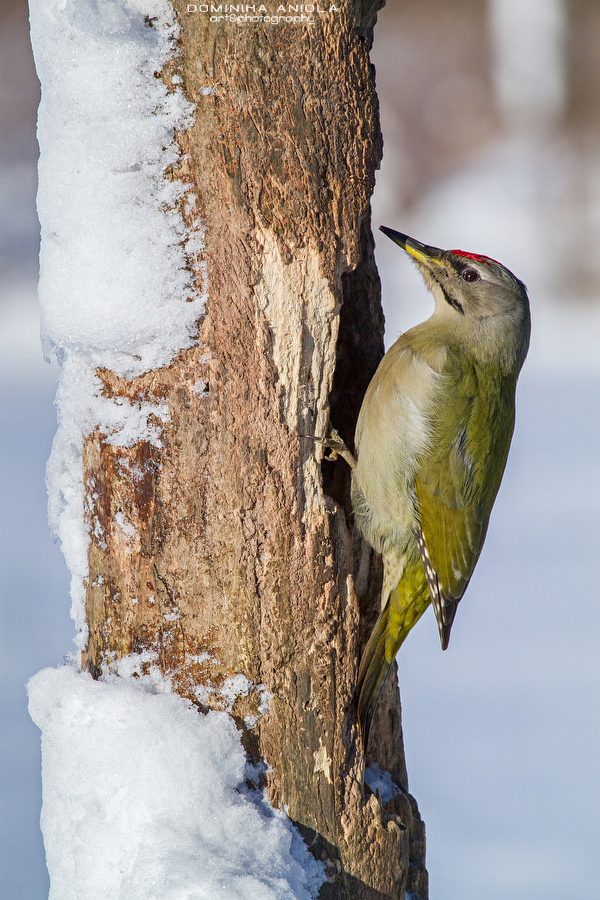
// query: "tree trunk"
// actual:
[[228, 550]]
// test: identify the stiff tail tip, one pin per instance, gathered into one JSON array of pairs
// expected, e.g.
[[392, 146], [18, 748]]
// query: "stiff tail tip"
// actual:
[[374, 670]]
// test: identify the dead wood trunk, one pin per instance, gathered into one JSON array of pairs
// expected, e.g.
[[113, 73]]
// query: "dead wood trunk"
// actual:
[[243, 559]]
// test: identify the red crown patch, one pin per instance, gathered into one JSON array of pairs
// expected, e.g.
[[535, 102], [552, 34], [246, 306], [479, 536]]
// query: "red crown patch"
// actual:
[[476, 256]]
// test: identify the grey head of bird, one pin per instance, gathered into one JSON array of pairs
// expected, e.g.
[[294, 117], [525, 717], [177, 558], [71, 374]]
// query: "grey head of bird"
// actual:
[[480, 303]]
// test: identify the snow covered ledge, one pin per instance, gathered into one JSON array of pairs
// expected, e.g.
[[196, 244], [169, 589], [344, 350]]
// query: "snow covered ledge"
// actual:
[[142, 797]]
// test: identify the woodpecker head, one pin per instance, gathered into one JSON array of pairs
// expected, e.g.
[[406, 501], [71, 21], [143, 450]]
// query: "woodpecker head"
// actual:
[[485, 305]]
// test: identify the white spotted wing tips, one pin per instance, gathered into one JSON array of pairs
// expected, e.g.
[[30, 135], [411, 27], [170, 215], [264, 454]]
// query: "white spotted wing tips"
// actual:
[[443, 606]]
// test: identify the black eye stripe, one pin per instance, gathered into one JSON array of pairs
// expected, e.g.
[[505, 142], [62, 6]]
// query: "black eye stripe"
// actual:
[[456, 264]]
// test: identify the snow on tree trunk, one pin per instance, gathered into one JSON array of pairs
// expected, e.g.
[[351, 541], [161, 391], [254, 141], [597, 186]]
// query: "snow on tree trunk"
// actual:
[[221, 550]]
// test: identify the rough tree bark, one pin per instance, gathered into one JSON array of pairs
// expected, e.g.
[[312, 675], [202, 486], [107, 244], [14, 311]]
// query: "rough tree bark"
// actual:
[[243, 559]]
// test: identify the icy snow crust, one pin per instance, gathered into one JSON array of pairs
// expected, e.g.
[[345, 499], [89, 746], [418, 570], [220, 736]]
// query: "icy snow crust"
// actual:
[[142, 799], [113, 282]]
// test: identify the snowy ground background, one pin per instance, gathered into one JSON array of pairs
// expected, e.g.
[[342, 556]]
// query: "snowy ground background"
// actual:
[[502, 730]]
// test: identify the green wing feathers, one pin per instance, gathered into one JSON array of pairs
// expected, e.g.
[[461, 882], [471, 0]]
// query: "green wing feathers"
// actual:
[[405, 606], [456, 483]]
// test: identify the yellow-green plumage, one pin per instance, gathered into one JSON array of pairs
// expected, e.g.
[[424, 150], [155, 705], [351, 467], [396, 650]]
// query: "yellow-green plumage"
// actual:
[[432, 440], [405, 606]]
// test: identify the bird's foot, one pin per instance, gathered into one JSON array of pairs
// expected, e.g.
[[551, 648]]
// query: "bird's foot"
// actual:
[[336, 447]]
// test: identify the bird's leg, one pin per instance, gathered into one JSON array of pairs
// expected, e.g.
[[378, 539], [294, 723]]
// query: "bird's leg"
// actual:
[[336, 447]]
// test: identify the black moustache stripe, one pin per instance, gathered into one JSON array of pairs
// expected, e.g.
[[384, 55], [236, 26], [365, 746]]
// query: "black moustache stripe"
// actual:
[[451, 300]]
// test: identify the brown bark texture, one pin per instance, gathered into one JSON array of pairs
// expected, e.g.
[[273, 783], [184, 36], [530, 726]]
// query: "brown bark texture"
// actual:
[[241, 558]]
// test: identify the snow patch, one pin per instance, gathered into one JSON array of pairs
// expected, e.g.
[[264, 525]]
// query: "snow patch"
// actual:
[[379, 781], [233, 687], [143, 799], [145, 669], [115, 283]]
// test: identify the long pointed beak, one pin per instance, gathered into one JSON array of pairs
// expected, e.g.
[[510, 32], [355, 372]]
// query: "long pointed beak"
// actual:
[[420, 252]]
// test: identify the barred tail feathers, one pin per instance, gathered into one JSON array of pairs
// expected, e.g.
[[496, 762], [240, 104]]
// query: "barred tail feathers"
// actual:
[[405, 606]]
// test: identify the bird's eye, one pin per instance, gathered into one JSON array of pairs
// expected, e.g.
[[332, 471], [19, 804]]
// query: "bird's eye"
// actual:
[[470, 275]]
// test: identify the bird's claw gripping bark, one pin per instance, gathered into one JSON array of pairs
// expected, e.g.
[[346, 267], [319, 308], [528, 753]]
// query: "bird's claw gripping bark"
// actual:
[[336, 447]]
